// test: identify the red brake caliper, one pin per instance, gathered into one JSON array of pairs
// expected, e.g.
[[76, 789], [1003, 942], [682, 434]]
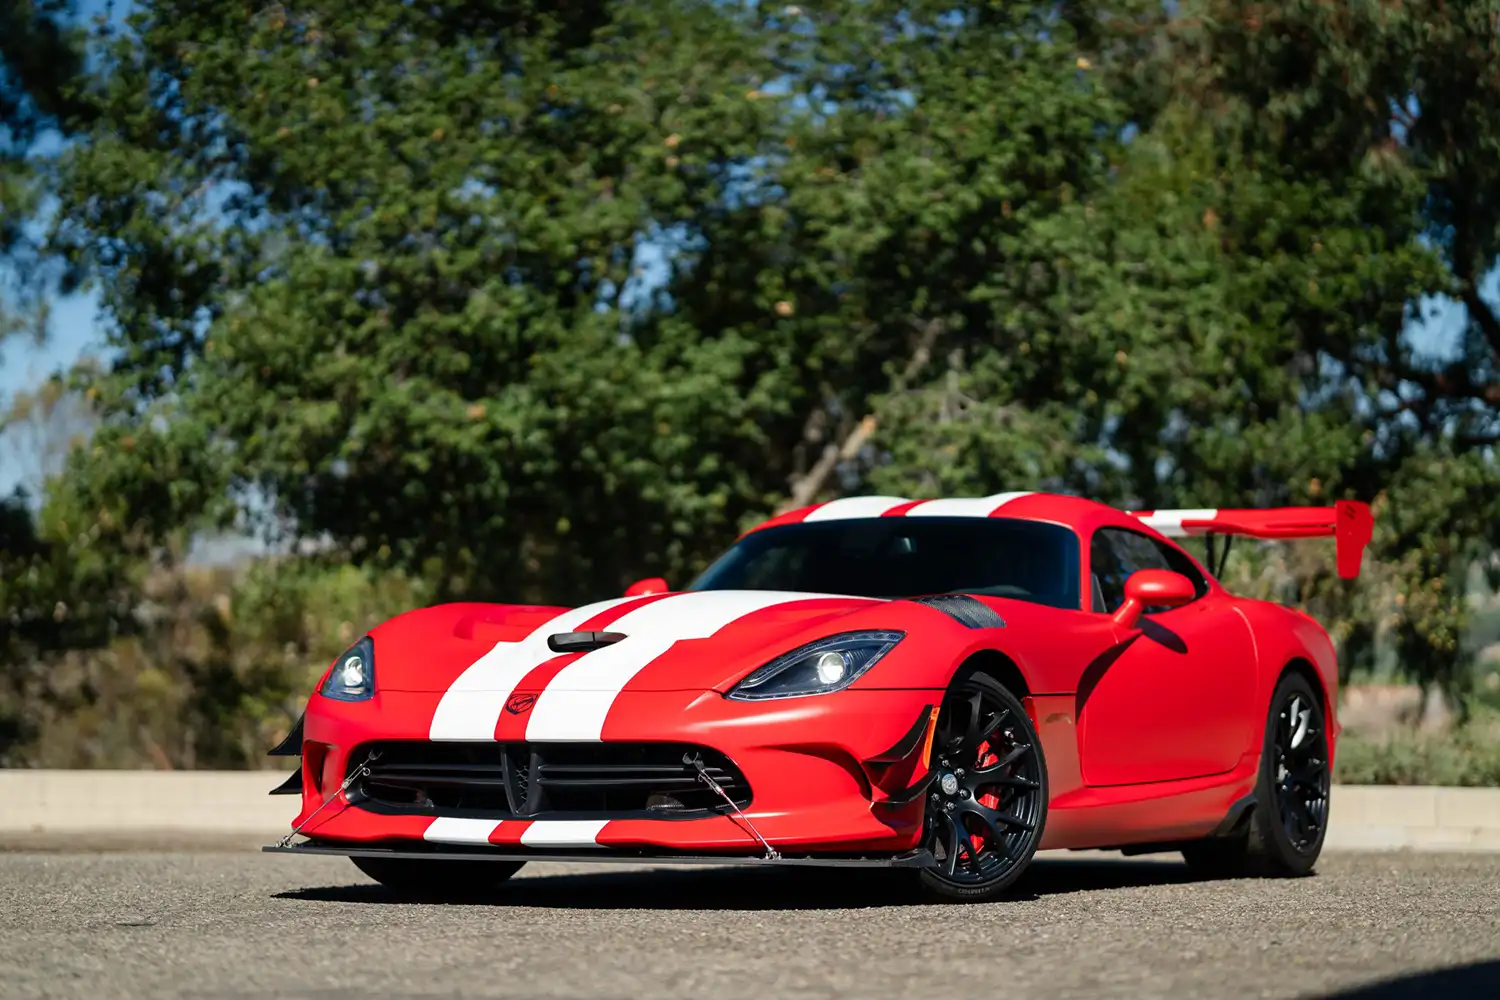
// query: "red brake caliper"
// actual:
[[990, 800]]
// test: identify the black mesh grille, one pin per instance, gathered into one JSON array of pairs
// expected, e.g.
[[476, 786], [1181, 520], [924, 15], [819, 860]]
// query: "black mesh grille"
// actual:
[[539, 780]]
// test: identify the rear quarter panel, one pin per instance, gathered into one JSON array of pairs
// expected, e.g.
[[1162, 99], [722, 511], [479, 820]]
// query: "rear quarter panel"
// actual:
[[1283, 635]]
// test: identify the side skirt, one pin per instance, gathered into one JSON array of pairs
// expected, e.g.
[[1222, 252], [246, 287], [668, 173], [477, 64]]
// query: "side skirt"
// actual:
[[1235, 822]]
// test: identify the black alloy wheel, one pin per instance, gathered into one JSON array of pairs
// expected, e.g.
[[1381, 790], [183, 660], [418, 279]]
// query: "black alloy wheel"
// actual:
[[1303, 779], [1286, 827], [987, 798]]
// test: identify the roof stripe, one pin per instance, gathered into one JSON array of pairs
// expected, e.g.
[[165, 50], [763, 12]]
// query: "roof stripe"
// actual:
[[853, 507], [900, 509], [965, 506]]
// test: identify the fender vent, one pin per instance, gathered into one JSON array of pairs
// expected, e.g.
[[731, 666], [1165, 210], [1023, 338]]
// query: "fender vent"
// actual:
[[963, 608]]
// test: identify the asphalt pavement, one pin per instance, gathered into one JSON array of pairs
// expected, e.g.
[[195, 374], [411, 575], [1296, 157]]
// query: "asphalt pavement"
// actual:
[[237, 924]]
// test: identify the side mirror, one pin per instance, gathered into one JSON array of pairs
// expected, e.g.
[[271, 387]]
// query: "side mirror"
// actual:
[[1153, 588], [653, 585]]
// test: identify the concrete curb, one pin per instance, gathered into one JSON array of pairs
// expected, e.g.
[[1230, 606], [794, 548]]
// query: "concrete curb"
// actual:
[[208, 807], [138, 803], [1385, 817]]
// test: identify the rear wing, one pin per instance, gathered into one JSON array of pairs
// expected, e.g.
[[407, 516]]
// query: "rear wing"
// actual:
[[1348, 521]]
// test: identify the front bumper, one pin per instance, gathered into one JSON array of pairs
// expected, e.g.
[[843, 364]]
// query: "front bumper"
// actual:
[[828, 775]]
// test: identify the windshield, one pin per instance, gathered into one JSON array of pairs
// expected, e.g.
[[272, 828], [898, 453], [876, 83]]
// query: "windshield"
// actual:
[[896, 557]]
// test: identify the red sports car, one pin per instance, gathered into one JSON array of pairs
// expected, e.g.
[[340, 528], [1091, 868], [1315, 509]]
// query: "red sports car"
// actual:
[[942, 685]]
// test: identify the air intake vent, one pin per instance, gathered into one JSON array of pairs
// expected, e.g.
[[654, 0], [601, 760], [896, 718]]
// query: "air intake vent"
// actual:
[[538, 780]]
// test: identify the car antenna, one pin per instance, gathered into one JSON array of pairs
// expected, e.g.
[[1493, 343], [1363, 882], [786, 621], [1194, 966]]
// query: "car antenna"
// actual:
[[694, 760]]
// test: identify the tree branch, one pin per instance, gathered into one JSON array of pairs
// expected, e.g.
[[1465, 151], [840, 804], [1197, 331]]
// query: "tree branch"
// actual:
[[805, 487], [1453, 382], [1467, 441], [1480, 310]]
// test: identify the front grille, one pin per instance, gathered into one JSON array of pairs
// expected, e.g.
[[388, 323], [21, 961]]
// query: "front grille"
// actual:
[[538, 780]]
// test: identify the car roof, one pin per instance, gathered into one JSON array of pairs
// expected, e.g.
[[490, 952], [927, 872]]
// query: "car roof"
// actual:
[[1082, 515]]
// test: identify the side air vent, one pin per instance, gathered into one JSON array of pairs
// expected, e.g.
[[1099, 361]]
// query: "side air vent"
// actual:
[[963, 608]]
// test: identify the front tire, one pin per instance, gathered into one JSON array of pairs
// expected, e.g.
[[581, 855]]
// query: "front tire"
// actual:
[[1290, 818], [987, 804], [418, 877]]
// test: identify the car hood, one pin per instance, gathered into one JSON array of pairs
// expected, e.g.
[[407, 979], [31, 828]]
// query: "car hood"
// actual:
[[694, 640]]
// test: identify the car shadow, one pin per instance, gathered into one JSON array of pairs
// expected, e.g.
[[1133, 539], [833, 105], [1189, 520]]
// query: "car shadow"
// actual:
[[1479, 979], [740, 888]]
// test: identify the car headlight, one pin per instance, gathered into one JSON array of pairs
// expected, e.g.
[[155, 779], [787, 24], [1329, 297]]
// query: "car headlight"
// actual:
[[353, 675], [827, 665]]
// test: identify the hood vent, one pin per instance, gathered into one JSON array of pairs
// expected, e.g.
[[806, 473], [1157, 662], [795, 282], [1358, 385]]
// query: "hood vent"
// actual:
[[581, 642]]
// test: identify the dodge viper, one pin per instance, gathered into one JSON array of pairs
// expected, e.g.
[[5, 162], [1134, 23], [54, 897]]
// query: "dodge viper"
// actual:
[[945, 686]]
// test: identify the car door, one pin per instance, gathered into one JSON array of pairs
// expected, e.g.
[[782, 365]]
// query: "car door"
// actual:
[[1169, 702]]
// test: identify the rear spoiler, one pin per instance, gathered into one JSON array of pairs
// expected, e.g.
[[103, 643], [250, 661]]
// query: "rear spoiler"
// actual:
[[1348, 521]]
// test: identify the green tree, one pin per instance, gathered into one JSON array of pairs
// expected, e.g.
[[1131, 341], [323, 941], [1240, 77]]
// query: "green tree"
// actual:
[[905, 252], [41, 64], [55, 592], [1361, 140], [382, 265], [1255, 269]]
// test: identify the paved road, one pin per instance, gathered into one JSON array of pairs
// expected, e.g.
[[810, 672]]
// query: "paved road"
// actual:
[[224, 924]]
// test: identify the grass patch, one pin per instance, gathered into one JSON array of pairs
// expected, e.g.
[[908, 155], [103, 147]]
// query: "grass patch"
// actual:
[[1468, 755]]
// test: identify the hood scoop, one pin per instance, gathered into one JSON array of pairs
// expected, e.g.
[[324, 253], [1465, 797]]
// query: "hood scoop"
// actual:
[[581, 642]]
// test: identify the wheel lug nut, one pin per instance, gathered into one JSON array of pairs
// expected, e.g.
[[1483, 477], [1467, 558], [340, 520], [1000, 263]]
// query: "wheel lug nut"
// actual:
[[963, 793]]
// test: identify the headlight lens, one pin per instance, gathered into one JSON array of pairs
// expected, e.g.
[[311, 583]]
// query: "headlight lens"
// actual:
[[353, 675], [827, 665]]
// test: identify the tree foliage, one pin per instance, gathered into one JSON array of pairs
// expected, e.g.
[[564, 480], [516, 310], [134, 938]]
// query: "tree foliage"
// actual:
[[521, 300], [41, 61], [1369, 132], [387, 272]]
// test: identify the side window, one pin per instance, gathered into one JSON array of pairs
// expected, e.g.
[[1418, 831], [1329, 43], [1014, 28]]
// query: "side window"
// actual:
[[1108, 576], [1179, 563], [1116, 553]]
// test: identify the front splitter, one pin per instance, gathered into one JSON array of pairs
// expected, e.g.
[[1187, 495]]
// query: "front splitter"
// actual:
[[921, 858]]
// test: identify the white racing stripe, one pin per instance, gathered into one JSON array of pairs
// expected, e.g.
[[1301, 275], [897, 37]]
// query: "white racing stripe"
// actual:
[[1169, 522], [964, 506], [470, 708], [574, 705], [563, 833], [854, 507], [452, 830]]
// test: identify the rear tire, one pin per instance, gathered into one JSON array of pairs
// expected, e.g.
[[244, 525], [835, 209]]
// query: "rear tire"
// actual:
[[418, 877], [987, 807], [1290, 817]]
